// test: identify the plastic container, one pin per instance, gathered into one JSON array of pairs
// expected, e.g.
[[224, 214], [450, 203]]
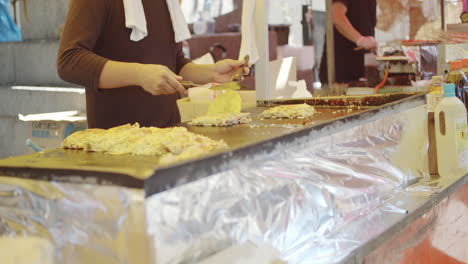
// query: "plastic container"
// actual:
[[200, 95], [451, 134]]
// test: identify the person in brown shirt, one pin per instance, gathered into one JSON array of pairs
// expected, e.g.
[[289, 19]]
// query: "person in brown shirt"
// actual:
[[127, 81], [354, 29]]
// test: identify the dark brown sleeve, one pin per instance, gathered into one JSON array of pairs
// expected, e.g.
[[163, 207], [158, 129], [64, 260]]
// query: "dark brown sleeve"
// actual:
[[76, 62], [181, 60]]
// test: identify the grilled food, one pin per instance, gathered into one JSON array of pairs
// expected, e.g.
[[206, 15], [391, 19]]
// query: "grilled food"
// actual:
[[300, 111], [222, 120], [170, 144]]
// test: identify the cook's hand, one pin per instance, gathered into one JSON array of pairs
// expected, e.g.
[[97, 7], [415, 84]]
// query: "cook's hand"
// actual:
[[225, 69], [159, 80], [367, 43]]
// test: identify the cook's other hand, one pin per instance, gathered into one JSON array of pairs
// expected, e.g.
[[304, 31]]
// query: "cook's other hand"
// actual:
[[224, 70], [367, 43], [159, 80]]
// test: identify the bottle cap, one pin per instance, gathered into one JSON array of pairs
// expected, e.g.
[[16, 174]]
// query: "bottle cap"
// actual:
[[449, 90], [455, 65], [465, 63]]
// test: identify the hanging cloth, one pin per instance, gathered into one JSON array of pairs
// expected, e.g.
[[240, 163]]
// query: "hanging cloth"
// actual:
[[135, 19]]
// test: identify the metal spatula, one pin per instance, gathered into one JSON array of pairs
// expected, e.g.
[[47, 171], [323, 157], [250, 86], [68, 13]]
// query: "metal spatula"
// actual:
[[189, 84], [229, 101]]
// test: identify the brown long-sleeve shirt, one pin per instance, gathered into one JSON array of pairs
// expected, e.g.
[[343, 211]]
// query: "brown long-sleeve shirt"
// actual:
[[94, 33]]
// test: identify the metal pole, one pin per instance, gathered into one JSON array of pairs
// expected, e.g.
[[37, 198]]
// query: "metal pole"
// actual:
[[442, 15], [442, 65], [330, 43], [442, 48], [262, 67]]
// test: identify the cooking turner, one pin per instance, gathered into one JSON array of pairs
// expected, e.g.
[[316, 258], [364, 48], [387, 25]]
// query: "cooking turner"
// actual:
[[189, 84], [229, 101]]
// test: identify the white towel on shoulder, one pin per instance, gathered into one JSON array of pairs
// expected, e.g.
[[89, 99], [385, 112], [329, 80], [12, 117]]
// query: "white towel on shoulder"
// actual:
[[181, 30], [135, 19]]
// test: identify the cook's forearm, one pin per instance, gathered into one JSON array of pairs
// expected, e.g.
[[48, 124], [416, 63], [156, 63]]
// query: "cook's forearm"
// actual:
[[198, 73], [153, 78], [119, 74], [342, 23]]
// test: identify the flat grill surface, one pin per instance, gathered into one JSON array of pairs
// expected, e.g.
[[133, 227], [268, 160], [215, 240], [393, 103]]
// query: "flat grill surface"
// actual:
[[260, 130], [132, 171]]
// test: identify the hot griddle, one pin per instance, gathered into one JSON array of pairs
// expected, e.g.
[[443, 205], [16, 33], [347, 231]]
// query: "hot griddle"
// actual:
[[145, 172], [342, 101], [266, 129]]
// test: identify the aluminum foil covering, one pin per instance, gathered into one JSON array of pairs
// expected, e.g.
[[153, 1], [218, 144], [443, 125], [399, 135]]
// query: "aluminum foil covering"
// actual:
[[308, 200], [84, 223]]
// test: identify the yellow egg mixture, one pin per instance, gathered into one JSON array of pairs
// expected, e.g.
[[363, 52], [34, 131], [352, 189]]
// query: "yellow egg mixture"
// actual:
[[298, 111], [170, 144]]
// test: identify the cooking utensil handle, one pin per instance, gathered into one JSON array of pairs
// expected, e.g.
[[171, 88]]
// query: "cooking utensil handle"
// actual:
[[238, 74], [188, 84]]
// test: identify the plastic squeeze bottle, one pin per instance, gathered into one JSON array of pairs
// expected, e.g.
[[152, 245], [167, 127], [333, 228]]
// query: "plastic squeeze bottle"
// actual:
[[451, 134]]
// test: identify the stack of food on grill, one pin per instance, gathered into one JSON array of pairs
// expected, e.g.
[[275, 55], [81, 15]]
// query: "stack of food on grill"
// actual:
[[169, 144]]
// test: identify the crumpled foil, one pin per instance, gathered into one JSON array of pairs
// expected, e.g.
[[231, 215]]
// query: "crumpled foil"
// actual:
[[298, 199], [84, 223]]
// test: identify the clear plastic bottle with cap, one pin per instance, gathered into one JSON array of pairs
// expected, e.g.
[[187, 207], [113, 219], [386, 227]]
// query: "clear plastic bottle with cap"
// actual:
[[451, 134]]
